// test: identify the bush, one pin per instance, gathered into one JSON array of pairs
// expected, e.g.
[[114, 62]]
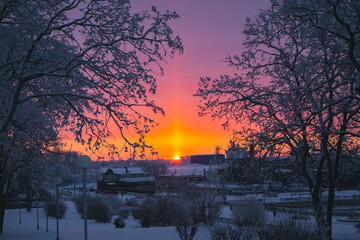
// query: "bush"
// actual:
[[205, 206], [132, 202], [123, 213], [284, 228], [79, 205], [228, 233], [144, 211], [99, 208], [119, 222], [186, 232], [224, 233], [251, 213], [162, 211], [115, 202], [50, 208]]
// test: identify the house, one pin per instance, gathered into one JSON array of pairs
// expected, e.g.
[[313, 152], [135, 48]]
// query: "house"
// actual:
[[125, 179]]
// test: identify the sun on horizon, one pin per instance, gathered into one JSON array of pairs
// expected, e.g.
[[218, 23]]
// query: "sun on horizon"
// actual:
[[177, 158]]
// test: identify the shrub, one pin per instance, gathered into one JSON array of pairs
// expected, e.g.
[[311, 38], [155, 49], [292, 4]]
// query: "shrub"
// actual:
[[115, 202], [284, 228], [119, 222], [251, 213], [79, 205], [186, 232], [162, 211], [99, 208], [50, 208], [132, 202], [123, 213], [205, 206], [144, 212], [224, 233], [228, 233]]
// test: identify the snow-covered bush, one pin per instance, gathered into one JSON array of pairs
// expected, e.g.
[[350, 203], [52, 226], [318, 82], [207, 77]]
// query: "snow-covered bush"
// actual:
[[228, 233], [116, 203], [250, 213], [284, 228], [119, 222], [186, 232], [123, 213], [162, 211], [205, 206], [50, 208], [132, 202], [144, 212], [99, 208], [79, 205]]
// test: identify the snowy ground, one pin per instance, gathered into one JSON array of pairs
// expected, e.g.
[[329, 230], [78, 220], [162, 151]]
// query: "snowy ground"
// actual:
[[341, 230], [71, 227]]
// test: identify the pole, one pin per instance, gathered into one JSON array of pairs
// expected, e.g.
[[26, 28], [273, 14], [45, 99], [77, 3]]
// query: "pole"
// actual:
[[57, 212], [85, 203], [19, 212], [47, 221], [37, 214], [74, 183]]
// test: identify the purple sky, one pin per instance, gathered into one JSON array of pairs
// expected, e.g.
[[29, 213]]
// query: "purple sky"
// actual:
[[210, 30]]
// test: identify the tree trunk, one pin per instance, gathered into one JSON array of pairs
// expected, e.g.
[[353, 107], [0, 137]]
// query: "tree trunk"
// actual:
[[329, 211], [28, 204], [320, 222], [28, 197], [319, 215]]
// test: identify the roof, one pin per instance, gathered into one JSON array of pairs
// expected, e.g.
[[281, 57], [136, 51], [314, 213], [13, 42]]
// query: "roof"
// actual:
[[122, 170]]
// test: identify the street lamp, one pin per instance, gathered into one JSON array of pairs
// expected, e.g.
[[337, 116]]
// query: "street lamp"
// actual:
[[84, 162], [57, 182], [37, 214], [19, 199], [47, 198]]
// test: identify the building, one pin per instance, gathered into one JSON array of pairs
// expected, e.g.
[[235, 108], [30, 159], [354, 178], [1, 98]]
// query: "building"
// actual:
[[207, 159], [125, 179]]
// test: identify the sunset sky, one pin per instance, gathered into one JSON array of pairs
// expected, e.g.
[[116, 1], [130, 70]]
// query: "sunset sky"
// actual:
[[210, 30]]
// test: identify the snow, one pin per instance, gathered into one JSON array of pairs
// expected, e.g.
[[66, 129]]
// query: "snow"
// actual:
[[344, 231], [72, 227]]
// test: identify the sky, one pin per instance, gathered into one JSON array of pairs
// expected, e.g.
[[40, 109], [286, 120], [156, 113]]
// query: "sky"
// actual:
[[210, 30]]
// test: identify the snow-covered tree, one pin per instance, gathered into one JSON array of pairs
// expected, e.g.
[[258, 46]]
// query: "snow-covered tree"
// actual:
[[295, 92], [85, 64], [30, 137], [29, 179], [338, 19]]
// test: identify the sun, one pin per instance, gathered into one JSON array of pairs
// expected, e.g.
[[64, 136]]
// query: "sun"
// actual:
[[177, 158]]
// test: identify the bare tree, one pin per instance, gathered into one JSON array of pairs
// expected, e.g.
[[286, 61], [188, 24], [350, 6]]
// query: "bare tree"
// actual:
[[85, 64], [338, 19], [296, 88]]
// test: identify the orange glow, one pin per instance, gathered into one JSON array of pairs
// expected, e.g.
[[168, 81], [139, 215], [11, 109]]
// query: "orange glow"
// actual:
[[181, 131], [177, 158]]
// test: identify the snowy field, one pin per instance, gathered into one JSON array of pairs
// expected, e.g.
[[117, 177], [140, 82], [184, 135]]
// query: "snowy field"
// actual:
[[341, 230], [71, 227]]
